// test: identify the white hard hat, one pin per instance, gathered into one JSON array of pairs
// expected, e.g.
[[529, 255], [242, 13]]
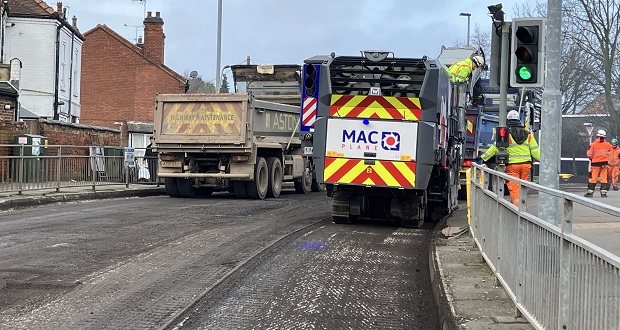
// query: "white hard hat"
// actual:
[[601, 133], [479, 60], [513, 115]]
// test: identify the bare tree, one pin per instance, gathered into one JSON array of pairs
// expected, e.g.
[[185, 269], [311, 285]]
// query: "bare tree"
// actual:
[[597, 27], [577, 83]]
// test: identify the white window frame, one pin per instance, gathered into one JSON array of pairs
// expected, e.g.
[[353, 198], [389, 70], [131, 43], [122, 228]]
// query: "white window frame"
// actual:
[[76, 76], [63, 62]]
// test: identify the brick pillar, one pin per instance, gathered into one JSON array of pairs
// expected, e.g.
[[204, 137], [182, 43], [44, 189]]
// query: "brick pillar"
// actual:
[[154, 38]]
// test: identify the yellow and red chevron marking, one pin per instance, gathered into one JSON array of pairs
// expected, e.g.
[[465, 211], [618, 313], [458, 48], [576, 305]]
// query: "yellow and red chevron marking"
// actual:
[[383, 173], [377, 107]]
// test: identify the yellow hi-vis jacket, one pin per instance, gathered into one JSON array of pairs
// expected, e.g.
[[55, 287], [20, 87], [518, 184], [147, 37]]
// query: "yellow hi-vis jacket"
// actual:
[[517, 153], [461, 70]]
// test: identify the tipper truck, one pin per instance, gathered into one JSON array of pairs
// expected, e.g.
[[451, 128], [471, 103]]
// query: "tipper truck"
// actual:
[[387, 134], [247, 143]]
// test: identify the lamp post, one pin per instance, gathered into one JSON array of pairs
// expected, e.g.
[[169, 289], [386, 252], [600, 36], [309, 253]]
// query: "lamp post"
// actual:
[[218, 79], [468, 19]]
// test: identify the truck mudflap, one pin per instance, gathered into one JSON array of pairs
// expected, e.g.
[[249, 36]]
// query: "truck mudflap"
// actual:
[[380, 173]]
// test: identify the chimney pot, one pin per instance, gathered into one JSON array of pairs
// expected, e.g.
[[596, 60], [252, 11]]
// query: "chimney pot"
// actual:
[[140, 41], [59, 7], [157, 14], [149, 14], [75, 21]]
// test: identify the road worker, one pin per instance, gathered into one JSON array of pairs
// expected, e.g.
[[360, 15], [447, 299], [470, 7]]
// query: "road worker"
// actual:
[[599, 153], [521, 150], [614, 163], [461, 70]]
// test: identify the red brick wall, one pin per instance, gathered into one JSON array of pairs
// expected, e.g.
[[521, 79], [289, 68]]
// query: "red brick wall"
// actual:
[[58, 134], [119, 84], [7, 114]]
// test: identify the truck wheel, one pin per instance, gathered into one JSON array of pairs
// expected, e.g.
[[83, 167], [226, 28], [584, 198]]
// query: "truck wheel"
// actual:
[[240, 189], [275, 177], [171, 187], [303, 185], [257, 189], [186, 189]]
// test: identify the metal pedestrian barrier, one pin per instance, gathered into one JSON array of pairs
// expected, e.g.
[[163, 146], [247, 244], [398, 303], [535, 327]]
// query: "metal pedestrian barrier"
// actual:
[[45, 167], [556, 279]]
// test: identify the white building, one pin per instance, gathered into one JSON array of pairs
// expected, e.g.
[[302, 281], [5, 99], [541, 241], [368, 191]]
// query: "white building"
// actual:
[[50, 50]]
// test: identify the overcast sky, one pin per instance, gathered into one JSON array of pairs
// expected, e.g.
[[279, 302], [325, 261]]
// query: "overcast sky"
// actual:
[[288, 31]]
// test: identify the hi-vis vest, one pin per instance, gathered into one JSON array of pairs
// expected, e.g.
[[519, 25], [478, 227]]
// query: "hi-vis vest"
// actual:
[[460, 71], [517, 153]]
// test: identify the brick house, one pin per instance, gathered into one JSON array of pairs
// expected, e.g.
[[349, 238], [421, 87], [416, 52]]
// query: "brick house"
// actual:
[[120, 80], [50, 48]]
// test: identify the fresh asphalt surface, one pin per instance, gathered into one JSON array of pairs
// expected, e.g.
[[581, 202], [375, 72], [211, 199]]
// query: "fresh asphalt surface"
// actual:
[[277, 263]]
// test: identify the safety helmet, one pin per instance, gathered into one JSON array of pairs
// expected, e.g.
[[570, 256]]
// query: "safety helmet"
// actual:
[[614, 142], [479, 60], [601, 133], [513, 115]]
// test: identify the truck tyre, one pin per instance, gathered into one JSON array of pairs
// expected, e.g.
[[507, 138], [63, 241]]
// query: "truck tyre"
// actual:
[[171, 187], [303, 185], [275, 177], [257, 189], [240, 189], [186, 188]]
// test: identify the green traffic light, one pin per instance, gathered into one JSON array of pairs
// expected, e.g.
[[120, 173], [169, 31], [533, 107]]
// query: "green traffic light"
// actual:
[[525, 73]]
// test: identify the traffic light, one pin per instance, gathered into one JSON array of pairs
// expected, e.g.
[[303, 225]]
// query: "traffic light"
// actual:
[[527, 52], [502, 137]]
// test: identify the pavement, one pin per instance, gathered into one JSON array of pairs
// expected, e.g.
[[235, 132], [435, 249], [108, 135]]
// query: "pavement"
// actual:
[[29, 198], [465, 287]]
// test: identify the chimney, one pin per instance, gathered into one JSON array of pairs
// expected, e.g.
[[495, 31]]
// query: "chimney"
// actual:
[[59, 8], [154, 37], [75, 22]]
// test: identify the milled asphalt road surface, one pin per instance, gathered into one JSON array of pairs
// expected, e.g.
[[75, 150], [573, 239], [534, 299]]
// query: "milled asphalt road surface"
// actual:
[[134, 263]]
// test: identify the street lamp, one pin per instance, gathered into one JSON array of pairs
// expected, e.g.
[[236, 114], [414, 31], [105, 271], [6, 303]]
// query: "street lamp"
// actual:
[[468, 18], [218, 80]]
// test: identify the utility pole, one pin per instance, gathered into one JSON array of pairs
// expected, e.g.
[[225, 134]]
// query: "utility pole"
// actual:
[[551, 117], [503, 75], [468, 15], [218, 78]]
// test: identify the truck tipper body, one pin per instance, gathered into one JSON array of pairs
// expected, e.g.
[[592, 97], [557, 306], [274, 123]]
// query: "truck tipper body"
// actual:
[[387, 135], [247, 143]]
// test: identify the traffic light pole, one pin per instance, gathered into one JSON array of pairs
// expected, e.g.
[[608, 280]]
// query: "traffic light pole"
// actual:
[[503, 74], [551, 116]]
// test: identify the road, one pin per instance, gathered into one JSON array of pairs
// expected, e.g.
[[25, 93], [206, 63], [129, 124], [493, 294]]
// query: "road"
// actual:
[[141, 262]]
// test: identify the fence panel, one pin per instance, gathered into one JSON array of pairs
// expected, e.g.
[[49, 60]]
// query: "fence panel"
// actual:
[[555, 278]]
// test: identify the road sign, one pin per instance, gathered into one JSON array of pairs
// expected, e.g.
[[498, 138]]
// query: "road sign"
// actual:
[[130, 160]]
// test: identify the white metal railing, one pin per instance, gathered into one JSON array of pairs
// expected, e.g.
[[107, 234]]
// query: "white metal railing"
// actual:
[[556, 279], [38, 167]]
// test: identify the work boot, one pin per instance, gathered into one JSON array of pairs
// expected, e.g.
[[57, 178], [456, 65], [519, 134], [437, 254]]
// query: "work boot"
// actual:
[[589, 194], [616, 188], [603, 193]]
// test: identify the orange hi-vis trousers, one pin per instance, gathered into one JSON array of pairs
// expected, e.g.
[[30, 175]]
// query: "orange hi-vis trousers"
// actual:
[[521, 171], [598, 171], [615, 170]]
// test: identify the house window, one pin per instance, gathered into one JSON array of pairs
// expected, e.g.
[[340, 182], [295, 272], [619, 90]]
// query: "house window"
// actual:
[[63, 64], [76, 75]]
